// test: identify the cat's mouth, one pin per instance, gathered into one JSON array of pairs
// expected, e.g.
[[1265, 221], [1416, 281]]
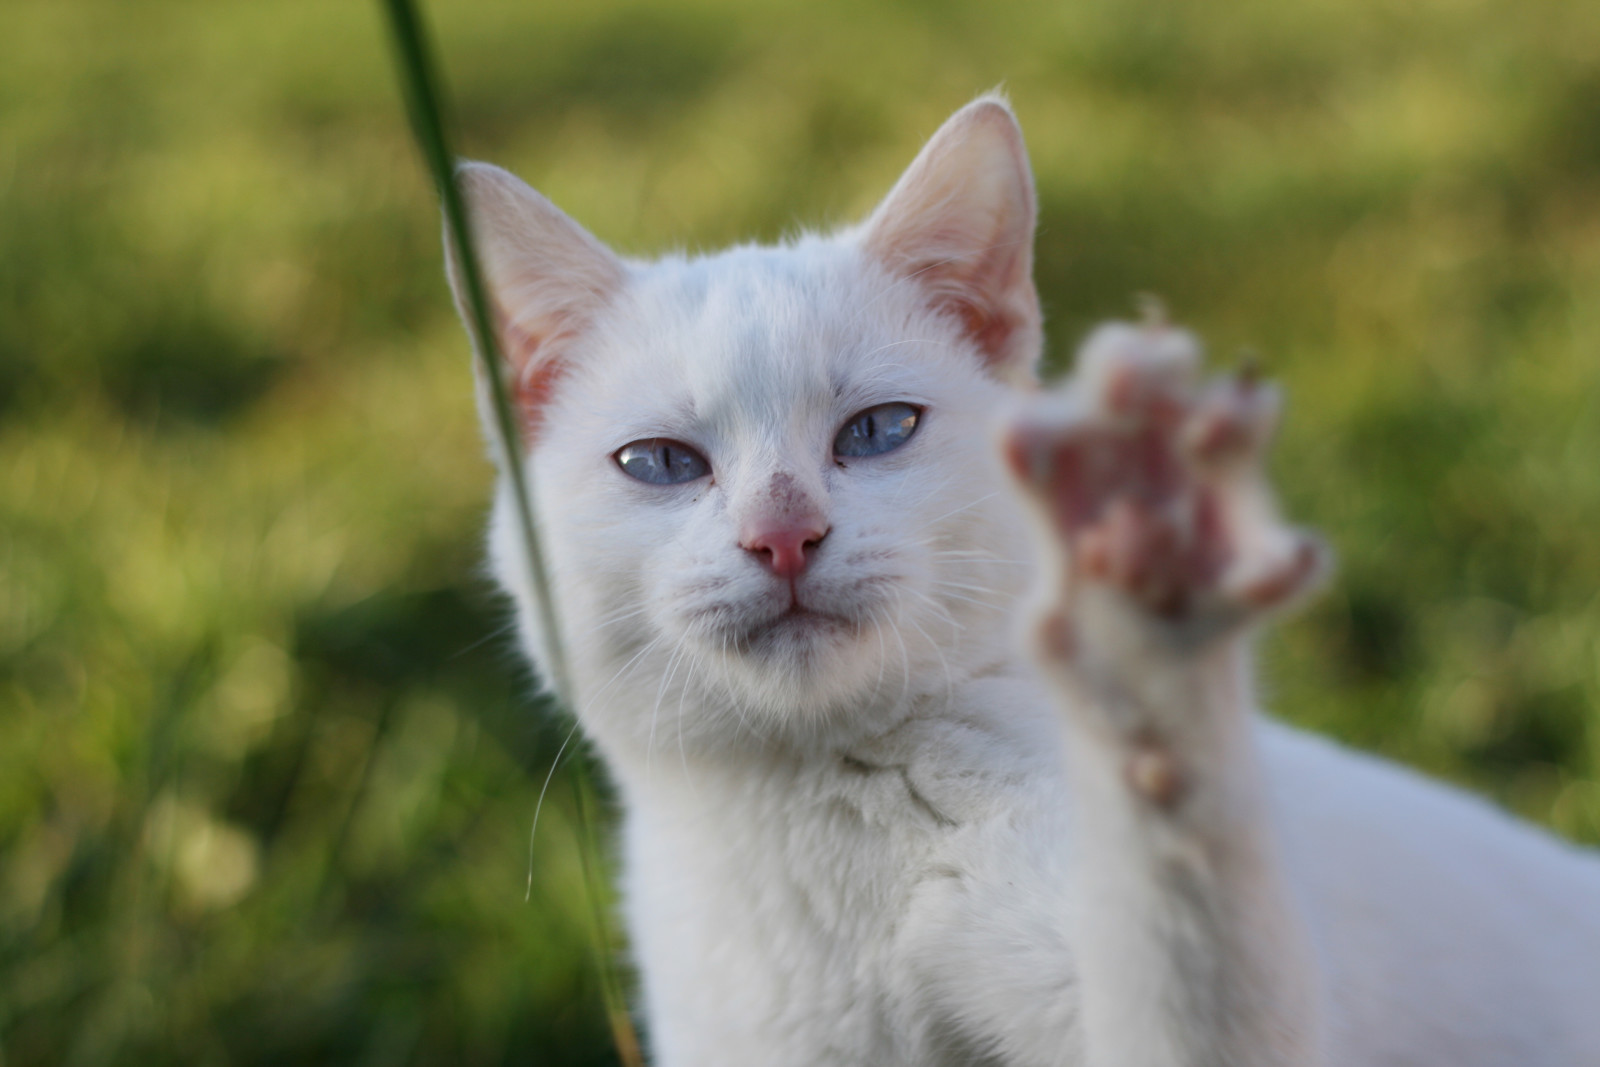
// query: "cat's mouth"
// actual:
[[794, 626], [784, 623]]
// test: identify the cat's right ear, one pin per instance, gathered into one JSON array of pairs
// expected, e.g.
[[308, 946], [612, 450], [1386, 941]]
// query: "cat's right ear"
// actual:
[[959, 225], [547, 279]]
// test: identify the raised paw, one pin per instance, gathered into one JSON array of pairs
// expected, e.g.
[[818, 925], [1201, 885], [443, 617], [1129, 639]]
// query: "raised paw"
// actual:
[[1150, 481]]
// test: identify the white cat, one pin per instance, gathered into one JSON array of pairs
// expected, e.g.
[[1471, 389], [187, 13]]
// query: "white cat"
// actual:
[[868, 824]]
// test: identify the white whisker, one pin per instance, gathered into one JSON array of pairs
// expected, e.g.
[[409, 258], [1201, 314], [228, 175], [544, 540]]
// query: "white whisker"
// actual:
[[969, 588], [958, 555], [539, 806], [666, 680], [971, 600], [956, 511], [949, 679], [940, 608], [683, 695]]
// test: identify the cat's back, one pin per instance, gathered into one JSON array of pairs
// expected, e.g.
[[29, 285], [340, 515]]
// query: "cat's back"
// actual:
[[1446, 927]]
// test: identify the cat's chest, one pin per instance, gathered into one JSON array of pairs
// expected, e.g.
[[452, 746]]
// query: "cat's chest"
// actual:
[[771, 922], [815, 861], [779, 901]]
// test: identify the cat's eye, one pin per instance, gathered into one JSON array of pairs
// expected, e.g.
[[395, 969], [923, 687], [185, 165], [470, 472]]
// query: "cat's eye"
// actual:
[[662, 462], [877, 430]]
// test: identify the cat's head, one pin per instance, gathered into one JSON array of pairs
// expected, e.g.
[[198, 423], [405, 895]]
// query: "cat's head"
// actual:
[[766, 478]]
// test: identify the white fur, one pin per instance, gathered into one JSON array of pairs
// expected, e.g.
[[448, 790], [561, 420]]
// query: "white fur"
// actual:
[[862, 842]]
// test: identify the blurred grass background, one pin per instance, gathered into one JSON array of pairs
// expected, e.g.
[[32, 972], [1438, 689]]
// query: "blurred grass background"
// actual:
[[267, 760]]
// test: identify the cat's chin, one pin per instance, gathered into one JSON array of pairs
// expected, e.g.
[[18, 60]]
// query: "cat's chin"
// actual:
[[801, 660], [798, 634]]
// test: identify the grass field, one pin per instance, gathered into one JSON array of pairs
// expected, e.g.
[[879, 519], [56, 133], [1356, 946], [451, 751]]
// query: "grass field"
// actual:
[[267, 761]]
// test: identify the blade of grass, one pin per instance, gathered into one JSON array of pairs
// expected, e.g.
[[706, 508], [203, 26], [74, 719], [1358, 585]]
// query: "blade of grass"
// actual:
[[622, 1032], [422, 93]]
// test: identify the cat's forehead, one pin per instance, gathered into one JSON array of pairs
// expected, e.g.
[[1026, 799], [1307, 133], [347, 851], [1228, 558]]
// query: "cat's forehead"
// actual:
[[766, 336]]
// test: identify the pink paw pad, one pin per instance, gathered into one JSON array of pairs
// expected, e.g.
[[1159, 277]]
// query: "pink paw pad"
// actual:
[[1152, 481]]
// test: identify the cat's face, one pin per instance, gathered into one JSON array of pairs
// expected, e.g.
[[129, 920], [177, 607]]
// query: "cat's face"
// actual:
[[767, 477]]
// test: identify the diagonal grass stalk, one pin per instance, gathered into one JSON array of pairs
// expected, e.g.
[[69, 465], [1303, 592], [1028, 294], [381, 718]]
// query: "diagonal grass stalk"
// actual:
[[423, 94]]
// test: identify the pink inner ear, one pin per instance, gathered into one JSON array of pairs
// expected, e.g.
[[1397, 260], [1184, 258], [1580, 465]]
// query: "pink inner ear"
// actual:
[[548, 277], [990, 332], [533, 394], [989, 291], [535, 370], [960, 222]]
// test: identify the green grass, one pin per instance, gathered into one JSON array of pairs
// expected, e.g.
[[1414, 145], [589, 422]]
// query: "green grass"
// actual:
[[267, 773]]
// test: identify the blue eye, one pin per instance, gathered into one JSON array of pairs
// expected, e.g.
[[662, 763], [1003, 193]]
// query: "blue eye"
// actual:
[[662, 462], [877, 430]]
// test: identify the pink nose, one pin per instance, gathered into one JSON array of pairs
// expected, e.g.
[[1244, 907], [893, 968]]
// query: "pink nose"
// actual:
[[782, 546]]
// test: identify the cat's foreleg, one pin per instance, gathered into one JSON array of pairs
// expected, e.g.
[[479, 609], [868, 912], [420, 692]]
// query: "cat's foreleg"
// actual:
[[1167, 548]]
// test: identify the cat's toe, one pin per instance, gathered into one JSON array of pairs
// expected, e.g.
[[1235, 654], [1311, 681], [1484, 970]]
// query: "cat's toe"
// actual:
[[1271, 582], [1145, 372], [1059, 460], [1232, 421]]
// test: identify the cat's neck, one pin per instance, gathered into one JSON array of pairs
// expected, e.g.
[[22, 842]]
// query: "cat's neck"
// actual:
[[701, 732], [722, 774]]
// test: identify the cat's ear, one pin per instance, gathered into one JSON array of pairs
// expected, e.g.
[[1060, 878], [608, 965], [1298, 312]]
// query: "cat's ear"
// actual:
[[547, 279], [960, 222]]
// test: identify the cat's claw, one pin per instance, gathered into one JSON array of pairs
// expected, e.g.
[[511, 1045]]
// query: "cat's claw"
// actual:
[[1151, 481]]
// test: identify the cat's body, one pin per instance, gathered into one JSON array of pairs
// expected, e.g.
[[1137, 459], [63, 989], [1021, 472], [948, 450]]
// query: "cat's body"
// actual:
[[1444, 934], [866, 824]]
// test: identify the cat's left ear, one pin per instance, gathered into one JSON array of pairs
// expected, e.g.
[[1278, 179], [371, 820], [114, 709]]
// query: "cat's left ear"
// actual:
[[960, 222], [548, 280]]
